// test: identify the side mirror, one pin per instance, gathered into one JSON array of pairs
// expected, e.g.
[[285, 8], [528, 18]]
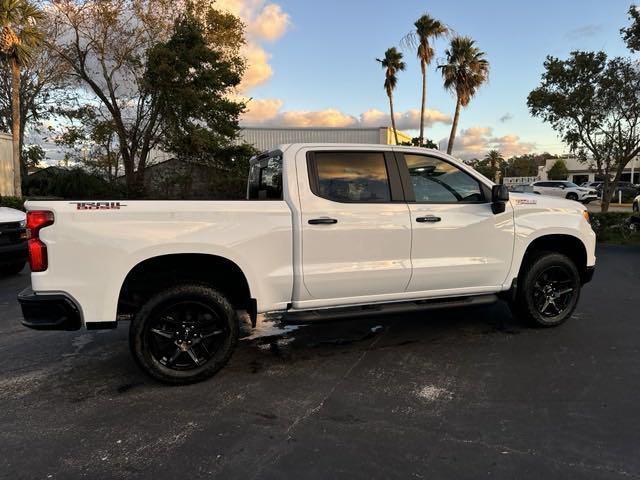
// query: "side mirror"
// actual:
[[499, 195]]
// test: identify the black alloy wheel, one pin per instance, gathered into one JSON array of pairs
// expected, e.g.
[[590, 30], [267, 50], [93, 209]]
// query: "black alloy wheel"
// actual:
[[548, 289], [184, 334], [553, 291]]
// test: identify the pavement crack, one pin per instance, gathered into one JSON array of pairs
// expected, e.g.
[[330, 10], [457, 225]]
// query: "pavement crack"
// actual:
[[315, 409], [311, 411]]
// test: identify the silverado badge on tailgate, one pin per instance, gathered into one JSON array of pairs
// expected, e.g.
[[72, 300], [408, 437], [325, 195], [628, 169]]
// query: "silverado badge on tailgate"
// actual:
[[97, 205]]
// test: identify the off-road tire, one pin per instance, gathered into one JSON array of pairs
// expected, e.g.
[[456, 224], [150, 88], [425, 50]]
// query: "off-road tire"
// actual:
[[524, 306], [140, 338]]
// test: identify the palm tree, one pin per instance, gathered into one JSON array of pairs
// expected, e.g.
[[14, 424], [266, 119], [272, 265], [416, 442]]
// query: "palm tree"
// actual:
[[19, 36], [427, 30], [494, 157], [465, 71], [392, 63]]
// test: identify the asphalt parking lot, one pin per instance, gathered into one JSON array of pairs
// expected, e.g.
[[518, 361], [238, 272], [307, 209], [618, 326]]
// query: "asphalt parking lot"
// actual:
[[457, 394]]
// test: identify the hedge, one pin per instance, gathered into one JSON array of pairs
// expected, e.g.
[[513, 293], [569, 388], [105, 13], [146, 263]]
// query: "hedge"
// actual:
[[615, 227], [12, 202]]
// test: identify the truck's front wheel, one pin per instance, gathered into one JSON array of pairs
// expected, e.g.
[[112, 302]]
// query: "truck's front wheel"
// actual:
[[548, 290], [184, 334]]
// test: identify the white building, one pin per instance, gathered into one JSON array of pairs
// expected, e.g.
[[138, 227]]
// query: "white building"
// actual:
[[264, 138], [6, 165], [581, 172]]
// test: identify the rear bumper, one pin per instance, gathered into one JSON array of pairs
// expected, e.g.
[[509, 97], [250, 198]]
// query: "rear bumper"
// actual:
[[49, 312]]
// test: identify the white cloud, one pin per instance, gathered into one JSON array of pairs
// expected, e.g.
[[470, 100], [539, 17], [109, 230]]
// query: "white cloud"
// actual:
[[267, 112], [270, 24], [409, 120], [265, 22], [585, 31], [258, 110], [475, 142], [258, 69]]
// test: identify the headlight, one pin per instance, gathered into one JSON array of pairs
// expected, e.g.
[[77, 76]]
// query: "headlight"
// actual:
[[23, 223]]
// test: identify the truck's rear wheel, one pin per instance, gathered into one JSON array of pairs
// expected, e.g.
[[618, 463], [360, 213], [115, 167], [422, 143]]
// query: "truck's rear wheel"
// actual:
[[548, 290], [184, 334]]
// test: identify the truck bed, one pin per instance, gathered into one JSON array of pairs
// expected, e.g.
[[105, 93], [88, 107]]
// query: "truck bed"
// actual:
[[103, 241]]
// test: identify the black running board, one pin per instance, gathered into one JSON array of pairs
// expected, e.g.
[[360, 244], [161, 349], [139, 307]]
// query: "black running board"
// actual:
[[329, 314]]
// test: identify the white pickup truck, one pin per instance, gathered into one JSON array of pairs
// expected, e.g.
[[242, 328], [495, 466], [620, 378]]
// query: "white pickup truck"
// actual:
[[327, 231]]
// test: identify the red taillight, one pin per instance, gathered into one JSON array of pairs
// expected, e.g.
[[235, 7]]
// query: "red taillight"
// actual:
[[37, 220]]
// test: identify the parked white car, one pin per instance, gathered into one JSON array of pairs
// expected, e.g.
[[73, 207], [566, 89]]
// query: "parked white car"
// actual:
[[565, 189], [13, 240], [327, 231]]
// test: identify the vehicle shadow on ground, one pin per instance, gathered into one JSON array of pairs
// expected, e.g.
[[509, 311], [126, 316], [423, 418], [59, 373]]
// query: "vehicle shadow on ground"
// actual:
[[99, 363]]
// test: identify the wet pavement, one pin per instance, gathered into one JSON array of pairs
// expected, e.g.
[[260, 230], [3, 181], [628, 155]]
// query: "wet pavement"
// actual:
[[455, 394]]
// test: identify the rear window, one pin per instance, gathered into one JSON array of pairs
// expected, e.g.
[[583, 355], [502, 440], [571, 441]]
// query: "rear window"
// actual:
[[265, 179], [350, 177]]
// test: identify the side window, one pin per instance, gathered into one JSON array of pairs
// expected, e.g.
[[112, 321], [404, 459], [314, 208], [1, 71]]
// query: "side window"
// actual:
[[265, 179], [350, 176], [437, 181]]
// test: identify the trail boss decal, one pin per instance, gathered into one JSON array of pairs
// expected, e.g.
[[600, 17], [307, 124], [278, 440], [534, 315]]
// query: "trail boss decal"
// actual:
[[98, 205], [523, 201]]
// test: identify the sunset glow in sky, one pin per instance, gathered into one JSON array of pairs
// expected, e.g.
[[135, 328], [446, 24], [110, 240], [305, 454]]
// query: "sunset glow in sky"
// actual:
[[312, 63]]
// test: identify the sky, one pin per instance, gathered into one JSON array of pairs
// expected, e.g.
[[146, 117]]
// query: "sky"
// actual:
[[312, 63]]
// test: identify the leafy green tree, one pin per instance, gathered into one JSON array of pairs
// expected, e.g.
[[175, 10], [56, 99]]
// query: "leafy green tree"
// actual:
[[19, 36], [427, 143], [32, 157], [190, 83], [427, 29], [496, 164], [594, 104], [42, 89], [526, 165], [392, 63], [90, 141], [631, 34], [464, 72], [558, 171], [106, 46]]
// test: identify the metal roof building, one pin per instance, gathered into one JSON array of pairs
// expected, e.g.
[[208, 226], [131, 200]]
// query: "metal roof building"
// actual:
[[264, 138]]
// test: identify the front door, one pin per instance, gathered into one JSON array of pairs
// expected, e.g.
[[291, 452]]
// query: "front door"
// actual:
[[459, 244], [356, 230]]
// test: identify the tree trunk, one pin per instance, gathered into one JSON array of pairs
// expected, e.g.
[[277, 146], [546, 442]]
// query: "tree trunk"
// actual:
[[424, 102], [393, 119], [15, 126], [454, 127]]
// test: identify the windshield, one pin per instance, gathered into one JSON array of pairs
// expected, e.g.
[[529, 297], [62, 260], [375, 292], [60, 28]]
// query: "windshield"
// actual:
[[570, 185]]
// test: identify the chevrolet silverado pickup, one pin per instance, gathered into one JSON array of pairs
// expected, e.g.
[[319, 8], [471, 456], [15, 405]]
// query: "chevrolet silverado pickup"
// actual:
[[327, 231]]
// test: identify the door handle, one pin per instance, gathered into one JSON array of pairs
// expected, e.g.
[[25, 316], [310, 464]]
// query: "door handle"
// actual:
[[428, 219], [322, 221]]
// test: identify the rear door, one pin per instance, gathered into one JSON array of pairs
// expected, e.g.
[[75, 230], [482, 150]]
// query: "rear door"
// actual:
[[356, 229], [459, 245]]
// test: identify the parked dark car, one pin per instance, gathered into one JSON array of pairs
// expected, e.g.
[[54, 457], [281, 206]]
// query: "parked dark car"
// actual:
[[629, 192], [13, 241]]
